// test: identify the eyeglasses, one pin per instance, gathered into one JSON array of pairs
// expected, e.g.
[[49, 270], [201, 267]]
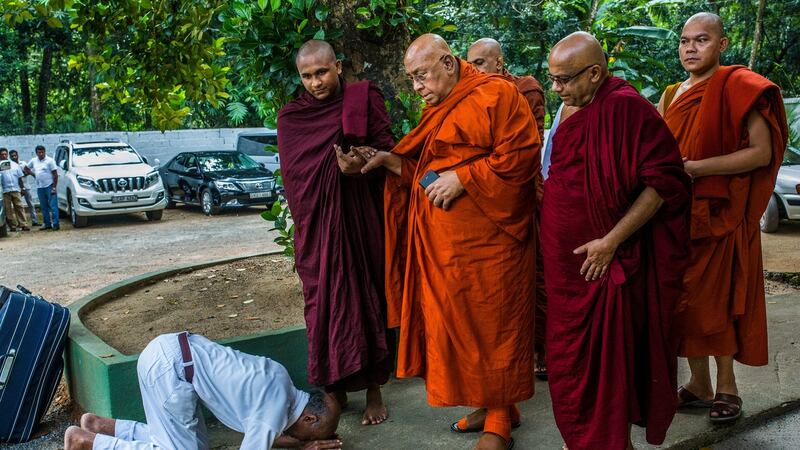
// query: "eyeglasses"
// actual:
[[565, 79], [421, 77]]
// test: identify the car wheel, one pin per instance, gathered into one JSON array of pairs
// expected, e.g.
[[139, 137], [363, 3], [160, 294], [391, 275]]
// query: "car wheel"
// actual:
[[170, 202], [4, 230], [154, 215], [207, 203], [771, 217], [76, 220]]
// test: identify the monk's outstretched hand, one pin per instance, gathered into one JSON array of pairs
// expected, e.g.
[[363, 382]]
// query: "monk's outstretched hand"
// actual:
[[350, 163], [599, 254], [445, 190]]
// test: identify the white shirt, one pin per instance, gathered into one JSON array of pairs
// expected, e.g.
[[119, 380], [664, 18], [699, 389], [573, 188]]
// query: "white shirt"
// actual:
[[42, 170], [548, 146], [250, 394], [11, 177]]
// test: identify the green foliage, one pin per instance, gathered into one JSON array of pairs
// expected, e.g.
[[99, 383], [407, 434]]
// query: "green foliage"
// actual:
[[411, 106], [261, 42], [381, 16], [280, 217]]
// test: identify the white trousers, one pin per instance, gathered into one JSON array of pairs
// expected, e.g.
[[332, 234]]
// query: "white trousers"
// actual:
[[171, 406]]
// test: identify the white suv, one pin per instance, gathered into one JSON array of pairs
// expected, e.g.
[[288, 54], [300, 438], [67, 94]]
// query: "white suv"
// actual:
[[106, 178]]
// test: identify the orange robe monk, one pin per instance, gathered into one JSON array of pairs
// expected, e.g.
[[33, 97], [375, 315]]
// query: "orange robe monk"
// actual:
[[460, 283], [723, 311], [532, 90]]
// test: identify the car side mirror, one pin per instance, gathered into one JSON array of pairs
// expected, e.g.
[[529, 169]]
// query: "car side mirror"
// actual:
[[192, 170], [262, 165], [157, 162], [144, 158]]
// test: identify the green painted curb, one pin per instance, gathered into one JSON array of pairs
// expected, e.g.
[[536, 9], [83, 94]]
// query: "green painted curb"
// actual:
[[103, 381]]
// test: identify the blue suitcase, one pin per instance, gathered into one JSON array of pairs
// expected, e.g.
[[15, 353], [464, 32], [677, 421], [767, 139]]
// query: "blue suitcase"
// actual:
[[32, 337]]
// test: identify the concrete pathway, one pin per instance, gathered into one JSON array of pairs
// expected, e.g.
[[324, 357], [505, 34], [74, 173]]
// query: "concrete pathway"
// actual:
[[766, 392]]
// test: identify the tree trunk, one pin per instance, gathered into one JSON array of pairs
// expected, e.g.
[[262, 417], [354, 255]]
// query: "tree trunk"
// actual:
[[94, 99], [25, 91], [592, 15], [44, 87], [757, 35], [379, 59]]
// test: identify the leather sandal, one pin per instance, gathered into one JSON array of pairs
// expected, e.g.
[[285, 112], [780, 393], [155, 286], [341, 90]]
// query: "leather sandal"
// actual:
[[688, 400], [728, 408]]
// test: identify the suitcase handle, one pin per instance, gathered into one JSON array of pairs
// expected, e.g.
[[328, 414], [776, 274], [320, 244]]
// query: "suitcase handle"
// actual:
[[5, 370]]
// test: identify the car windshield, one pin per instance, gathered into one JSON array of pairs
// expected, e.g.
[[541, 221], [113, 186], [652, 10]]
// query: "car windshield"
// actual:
[[792, 156], [213, 162], [104, 156]]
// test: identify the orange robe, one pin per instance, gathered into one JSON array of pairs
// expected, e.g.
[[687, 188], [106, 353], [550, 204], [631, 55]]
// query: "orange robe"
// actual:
[[531, 89], [723, 310], [460, 283]]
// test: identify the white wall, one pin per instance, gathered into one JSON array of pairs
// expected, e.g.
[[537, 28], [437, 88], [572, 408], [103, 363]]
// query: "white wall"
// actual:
[[151, 144]]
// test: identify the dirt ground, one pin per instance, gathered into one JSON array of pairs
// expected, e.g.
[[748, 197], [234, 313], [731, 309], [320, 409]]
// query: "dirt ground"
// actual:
[[243, 297]]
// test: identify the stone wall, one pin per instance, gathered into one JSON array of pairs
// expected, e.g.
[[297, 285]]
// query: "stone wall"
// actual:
[[150, 144]]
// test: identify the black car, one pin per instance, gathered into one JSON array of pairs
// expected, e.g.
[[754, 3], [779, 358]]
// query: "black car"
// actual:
[[217, 179]]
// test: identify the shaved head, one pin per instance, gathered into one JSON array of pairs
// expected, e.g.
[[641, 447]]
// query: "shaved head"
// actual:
[[316, 48], [579, 49], [701, 46], [486, 55], [432, 67], [319, 69], [427, 46], [709, 21], [578, 68]]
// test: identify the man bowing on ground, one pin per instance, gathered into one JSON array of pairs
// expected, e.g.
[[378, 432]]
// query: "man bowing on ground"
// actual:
[[731, 128], [338, 216], [615, 224], [460, 208]]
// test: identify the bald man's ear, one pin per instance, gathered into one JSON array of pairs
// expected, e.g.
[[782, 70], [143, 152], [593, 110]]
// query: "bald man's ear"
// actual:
[[500, 64], [450, 64], [723, 44], [339, 66]]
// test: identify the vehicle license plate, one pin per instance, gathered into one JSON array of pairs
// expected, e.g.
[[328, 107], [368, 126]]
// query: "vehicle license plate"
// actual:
[[124, 198], [260, 194]]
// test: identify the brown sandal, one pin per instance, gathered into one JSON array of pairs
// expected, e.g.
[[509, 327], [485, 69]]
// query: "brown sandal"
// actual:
[[728, 408], [688, 400]]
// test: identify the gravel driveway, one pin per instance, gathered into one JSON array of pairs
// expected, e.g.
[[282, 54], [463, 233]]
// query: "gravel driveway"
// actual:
[[65, 265]]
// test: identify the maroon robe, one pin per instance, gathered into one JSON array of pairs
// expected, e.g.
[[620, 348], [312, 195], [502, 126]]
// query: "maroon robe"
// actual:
[[610, 355], [339, 234]]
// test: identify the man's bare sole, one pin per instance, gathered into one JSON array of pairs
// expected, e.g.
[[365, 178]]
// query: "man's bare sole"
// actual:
[[375, 411]]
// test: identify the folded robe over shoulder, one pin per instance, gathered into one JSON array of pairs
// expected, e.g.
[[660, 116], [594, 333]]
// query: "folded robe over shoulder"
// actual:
[[610, 355], [723, 310], [339, 233], [461, 281]]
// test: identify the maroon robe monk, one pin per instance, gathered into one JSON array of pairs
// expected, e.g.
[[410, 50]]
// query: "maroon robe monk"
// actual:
[[339, 237], [610, 357]]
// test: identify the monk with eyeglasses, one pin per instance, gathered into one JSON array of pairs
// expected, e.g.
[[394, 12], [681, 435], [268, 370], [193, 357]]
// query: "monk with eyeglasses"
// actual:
[[460, 201], [615, 228]]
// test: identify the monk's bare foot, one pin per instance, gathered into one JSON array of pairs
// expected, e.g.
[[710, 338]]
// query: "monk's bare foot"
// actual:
[[375, 412], [474, 421], [341, 398], [491, 441]]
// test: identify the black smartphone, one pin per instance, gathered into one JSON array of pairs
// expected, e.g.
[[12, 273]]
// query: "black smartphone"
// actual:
[[429, 177]]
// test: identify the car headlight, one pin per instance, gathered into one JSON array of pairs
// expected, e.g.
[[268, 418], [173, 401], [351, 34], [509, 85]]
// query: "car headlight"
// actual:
[[151, 178], [226, 186], [86, 182]]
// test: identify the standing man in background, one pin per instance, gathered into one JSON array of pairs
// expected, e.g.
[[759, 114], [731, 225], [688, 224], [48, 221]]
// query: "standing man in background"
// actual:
[[44, 169], [26, 191], [12, 186]]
